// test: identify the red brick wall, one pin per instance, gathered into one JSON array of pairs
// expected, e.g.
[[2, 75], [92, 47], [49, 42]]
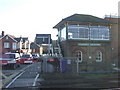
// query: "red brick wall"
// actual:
[[70, 48]]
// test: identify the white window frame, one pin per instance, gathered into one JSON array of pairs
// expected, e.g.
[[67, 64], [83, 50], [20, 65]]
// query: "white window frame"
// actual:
[[99, 57], [6, 45], [14, 46]]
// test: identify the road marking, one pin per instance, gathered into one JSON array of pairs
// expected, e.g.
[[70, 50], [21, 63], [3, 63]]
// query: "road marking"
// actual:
[[35, 79], [13, 75], [14, 79]]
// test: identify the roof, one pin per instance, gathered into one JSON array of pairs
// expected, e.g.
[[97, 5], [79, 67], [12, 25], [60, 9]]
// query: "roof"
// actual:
[[83, 18], [21, 38], [24, 39], [34, 46], [8, 36], [43, 35], [39, 38], [18, 39]]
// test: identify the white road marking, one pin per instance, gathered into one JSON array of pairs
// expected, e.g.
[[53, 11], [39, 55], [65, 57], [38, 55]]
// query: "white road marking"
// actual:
[[14, 79], [35, 79]]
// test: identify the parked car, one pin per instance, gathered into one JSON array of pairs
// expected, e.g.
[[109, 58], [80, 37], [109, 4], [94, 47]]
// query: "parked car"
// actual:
[[10, 60], [26, 57], [35, 56]]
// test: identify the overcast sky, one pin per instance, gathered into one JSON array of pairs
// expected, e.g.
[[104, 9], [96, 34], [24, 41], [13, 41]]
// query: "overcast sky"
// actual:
[[30, 17]]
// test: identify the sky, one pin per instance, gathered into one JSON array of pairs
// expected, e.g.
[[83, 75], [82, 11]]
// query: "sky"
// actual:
[[27, 18]]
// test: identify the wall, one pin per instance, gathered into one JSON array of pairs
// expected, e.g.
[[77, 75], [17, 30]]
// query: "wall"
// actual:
[[70, 47]]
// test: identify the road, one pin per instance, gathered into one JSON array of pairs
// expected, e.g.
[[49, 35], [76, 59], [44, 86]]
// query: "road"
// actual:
[[27, 77]]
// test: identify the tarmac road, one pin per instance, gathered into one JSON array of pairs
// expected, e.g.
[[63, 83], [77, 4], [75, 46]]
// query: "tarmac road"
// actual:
[[27, 77]]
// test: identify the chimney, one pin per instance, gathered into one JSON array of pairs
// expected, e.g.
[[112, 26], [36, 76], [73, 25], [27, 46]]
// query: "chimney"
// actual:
[[3, 33]]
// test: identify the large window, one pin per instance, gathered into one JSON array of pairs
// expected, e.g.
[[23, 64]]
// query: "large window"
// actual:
[[88, 32], [99, 33], [78, 32]]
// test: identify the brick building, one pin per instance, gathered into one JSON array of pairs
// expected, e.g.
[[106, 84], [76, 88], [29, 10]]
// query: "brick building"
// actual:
[[85, 37], [7, 44]]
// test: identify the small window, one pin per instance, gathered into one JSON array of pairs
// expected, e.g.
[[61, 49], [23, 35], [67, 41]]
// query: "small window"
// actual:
[[99, 56], [6, 45], [6, 37]]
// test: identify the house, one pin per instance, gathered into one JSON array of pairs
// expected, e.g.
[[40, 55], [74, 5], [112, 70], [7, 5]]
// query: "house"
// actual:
[[19, 44], [85, 38], [36, 48], [7, 44], [23, 45], [26, 45], [45, 41]]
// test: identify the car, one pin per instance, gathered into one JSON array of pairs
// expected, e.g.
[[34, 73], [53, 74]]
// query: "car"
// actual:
[[35, 56], [26, 57], [11, 58], [14, 55]]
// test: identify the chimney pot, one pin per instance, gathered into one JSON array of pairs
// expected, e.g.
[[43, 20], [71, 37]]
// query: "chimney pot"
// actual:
[[3, 33]]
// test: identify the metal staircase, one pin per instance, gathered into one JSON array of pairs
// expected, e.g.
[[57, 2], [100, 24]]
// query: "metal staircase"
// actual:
[[57, 49]]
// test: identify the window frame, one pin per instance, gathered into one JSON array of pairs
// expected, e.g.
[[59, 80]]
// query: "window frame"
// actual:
[[14, 46], [92, 32], [6, 44]]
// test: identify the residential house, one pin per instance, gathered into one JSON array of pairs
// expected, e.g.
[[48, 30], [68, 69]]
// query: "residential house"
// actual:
[[19, 44], [23, 45], [85, 37], [36, 48], [26, 45], [7, 44], [44, 40]]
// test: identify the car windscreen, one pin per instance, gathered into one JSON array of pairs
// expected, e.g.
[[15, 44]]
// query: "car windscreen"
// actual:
[[25, 56]]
